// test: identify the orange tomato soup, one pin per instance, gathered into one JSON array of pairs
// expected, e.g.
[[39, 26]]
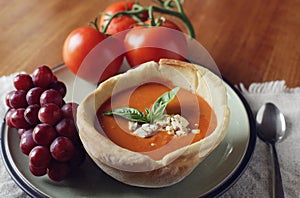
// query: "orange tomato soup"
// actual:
[[192, 107]]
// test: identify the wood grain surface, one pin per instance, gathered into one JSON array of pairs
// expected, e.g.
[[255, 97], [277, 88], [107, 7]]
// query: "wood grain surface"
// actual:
[[251, 41]]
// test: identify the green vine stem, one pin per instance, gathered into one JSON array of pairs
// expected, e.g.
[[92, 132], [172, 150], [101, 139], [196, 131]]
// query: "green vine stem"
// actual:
[[95, 24], [132, 13], [167, 8]]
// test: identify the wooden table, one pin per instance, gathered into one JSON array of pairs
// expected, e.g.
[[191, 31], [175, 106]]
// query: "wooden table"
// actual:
[[251, 41]]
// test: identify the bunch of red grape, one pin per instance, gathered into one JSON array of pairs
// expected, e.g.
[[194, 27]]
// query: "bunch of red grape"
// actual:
[[46, 124]]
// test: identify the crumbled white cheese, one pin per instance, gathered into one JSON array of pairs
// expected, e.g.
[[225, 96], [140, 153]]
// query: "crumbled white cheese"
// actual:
[[182, 120], [165, 121], [132, 126], [174, 125], [146, 130], [179, 123]]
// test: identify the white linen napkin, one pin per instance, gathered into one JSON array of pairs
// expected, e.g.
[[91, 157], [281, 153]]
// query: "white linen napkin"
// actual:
[[257, 179], [8, 188]]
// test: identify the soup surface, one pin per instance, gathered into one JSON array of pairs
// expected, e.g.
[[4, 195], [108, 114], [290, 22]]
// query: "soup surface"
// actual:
[[192, 107]]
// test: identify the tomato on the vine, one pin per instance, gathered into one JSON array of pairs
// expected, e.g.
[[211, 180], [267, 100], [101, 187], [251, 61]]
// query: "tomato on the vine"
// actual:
[[79, 45], [166, 23], [119, 23], [144, 44]]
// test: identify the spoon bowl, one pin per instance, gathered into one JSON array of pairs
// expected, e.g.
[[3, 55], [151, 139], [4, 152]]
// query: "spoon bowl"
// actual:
[[271, 127], [270, 123]]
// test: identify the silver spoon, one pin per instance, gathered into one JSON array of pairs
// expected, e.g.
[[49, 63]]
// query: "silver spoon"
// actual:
[[271, 126]]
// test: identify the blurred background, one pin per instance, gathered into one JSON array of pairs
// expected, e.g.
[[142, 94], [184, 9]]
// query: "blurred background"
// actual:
[[251, 41]]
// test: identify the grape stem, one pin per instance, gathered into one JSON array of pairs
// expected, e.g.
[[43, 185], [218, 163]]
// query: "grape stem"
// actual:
[[167, 7]]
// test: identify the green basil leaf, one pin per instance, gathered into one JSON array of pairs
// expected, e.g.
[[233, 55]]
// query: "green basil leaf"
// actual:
[[161, 103], [155, 114], [149, 115], [128, 113]]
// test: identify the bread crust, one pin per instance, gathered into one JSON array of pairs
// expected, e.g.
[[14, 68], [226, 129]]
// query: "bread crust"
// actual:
[[138, 169]]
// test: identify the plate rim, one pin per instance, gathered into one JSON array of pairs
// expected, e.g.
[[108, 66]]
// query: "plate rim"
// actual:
[[215, 192], [243, 165], [23, 184]]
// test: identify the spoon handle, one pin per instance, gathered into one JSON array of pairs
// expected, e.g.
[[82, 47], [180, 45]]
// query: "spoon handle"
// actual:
[[277, 181]]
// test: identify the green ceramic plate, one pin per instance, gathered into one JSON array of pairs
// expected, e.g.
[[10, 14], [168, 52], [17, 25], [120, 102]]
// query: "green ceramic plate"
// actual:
[[219, 171]]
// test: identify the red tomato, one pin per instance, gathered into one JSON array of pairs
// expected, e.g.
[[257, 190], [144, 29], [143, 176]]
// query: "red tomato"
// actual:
[[166, 23], [144, 44], [79, 51], [120, 23]]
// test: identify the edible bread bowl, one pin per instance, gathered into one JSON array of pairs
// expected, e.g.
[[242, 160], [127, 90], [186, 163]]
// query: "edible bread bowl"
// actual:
[[136, 168]]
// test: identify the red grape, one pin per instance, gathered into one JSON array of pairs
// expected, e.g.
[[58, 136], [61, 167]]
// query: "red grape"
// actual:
[[69, 110], [7, 99], [21, 132], [27, 143], [23, 82], [58, 171], [17, 119], [26, 132], [40, 157], [31, 114], [51, 96], [43, 134], [42, 76], [37, 171], [33, 95], [8, 118], [50, 113], [78, 157], [18, 99], [59, 86], [62, 149], [54, 78], [45, 123], [66, 127]]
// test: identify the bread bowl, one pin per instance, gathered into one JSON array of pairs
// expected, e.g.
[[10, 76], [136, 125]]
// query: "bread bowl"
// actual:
[[137, 168]]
